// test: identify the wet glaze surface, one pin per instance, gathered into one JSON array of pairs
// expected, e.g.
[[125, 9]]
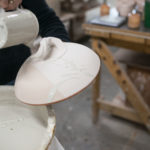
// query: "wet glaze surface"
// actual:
[[23, 127], [62, 70]]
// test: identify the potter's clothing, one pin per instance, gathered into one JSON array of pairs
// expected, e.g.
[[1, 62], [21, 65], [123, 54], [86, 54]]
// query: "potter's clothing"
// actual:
[[50, 25], [12, 58]]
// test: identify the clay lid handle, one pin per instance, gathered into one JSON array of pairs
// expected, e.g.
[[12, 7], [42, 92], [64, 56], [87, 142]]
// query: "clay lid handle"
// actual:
[[48, 47]]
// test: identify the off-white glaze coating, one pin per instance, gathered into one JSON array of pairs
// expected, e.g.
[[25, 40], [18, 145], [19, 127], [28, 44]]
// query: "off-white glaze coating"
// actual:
[[23, 127], [56, 72]]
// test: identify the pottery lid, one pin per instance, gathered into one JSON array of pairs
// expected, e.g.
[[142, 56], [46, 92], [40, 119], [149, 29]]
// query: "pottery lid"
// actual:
[[57, 71]]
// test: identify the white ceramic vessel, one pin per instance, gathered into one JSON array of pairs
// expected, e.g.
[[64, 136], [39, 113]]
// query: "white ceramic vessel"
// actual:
[[17, 27], [56, 72], [23, 127]]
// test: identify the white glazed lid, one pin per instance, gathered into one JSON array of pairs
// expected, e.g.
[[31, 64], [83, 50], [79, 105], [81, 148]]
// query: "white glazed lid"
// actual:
[[65, 71], [24, 127]]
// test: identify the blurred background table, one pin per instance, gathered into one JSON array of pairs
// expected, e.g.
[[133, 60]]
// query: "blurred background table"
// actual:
[[123, 37]]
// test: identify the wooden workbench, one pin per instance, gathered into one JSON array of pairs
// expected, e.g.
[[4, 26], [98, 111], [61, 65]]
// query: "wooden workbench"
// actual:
[[137, 40]]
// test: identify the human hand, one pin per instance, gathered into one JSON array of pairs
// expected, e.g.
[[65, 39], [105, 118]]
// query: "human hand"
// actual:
[[10, 4]]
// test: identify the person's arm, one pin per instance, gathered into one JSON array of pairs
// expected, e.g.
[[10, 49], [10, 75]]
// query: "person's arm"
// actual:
[[50, 25]]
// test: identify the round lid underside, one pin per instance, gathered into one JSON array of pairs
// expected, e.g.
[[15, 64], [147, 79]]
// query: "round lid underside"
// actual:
[[56, 80]]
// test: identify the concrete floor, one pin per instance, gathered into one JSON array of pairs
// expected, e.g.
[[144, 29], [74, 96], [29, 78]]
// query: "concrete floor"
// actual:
[[76, 131]]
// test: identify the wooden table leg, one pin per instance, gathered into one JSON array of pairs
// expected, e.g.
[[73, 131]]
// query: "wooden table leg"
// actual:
[[124, 81], [96, 95]]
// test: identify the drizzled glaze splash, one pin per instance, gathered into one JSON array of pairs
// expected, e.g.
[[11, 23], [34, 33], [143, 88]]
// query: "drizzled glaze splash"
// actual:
[[6, 123], [51, 46]]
